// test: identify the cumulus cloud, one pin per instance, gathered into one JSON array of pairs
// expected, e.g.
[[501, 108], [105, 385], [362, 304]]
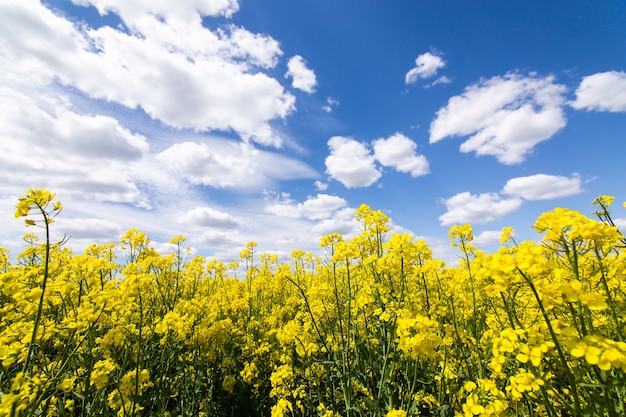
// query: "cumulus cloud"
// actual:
[[504, 116], [342, 222], [179, 10], [319, 207], [228, 164], [351, 163], [488, 237], [484, 208], [89, 228], [302, 77], [208, 217], [477, 209], [176, 70], [426, 66], [219, 239], [604, 91], [399, 152], [542, 187], [46, 143]]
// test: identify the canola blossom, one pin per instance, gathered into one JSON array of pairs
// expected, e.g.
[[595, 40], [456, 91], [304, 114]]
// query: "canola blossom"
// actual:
[[374, 327]]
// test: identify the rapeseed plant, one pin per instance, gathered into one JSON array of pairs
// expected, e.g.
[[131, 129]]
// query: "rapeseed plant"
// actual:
[[376, 327]]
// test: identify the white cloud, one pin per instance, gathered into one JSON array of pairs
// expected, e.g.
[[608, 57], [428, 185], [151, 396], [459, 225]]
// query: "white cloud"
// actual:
[[604, 91], [219, 239], [477, 209], [542, 187], [321, 186], [342, 222], [229, 164], [484, 208], [399, 152], [320, 207], [620, 223], [330, 104], [441, 80], [488, 237], [351, 163], [208, 217], [426, 66], [179, 10], [89, 228], [504, 116], [76, 153], [302, 77], [313, 218], [169, 65]]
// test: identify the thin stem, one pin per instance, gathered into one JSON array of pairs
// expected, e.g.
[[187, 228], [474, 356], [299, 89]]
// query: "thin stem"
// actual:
[[568, 373], [33, 337]]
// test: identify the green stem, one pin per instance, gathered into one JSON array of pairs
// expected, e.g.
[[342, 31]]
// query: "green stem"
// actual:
[[471, 278], [610, 300], [33, 337], [568, 373]]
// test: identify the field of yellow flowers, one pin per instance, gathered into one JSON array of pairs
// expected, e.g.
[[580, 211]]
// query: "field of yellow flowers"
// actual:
[[376, 327]]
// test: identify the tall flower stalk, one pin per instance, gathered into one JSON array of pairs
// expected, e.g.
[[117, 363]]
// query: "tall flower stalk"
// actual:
[[38, 200]]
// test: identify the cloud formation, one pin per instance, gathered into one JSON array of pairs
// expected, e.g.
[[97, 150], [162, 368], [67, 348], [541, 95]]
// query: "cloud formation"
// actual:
[[399, 152], [76, 153], [352, 163], [504, 116], [184, 10], [302, 77], [319, 207], [542, 187], [207, 80], [477, 209], [227, 164], [488, 237], [330, 104], [483, 208], [426, 66], [209, 217], [604, 91]]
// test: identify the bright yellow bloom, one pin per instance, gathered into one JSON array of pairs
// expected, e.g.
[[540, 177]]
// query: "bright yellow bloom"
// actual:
[[605, 200], [101, 371], [396, 413]]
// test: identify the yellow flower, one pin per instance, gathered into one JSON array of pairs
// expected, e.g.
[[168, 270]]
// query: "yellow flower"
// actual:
[[595, 302], [396, 413], [66, 384], [250, 372], [282, 408], [507, 235], [35, 197], [228, 383], [101, 371], [605, 200], [523, 382]]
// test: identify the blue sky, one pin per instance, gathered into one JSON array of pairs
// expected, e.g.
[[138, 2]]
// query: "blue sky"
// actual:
[[273, 120]]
